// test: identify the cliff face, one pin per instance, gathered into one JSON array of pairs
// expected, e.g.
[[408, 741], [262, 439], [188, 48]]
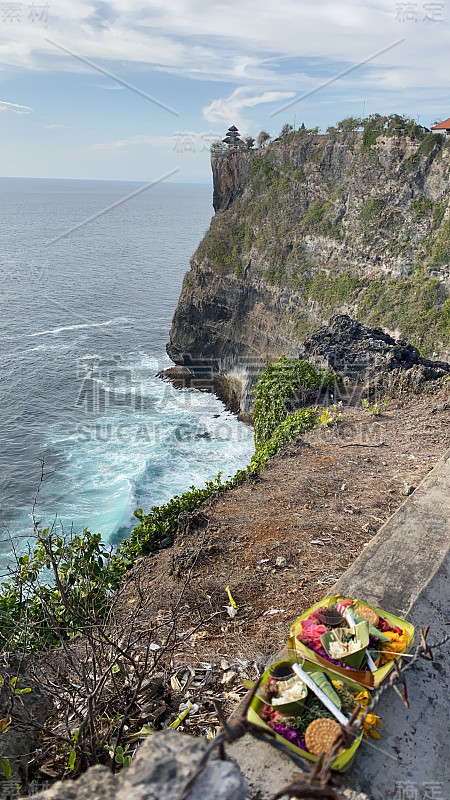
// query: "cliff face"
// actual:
[[312, 226]]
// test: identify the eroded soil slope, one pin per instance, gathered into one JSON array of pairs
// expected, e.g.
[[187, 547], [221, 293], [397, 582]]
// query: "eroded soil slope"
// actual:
[[280, 541]]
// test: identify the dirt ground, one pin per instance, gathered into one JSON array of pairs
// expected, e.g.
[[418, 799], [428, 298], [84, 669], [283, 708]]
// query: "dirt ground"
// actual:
[[282, 540]]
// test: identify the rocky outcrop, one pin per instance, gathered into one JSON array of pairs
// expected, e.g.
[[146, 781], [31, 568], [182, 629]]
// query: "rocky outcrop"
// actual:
[[368, 360], [160, 771], [230, 173], [309, 227], [370, 357]]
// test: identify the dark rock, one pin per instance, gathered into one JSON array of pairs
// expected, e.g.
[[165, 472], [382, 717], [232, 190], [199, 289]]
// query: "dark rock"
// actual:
[[179, 377], [370, 357], [230, 173], [166, 542], [97, 784]]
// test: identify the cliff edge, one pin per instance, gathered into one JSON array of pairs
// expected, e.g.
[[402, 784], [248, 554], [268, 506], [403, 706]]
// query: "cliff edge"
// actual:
[[312, 226]]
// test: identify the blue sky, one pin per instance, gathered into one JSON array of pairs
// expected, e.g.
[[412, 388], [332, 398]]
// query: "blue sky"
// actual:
[[215, 64]]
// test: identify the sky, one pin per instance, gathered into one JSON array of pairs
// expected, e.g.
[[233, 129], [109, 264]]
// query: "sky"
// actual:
[[134, 90]]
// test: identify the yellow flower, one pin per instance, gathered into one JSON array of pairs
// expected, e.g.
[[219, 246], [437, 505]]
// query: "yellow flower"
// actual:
[[370, 724], [363, 700], [393, 648]]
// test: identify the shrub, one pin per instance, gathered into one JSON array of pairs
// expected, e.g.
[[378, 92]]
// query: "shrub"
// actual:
[[440, 253], [286, 130], [373, 128], [283, 384], [330, 290], [428, 144], [348, 124], [78, 566], [223, 244], [319, 218], [218, 147], [263, 138]]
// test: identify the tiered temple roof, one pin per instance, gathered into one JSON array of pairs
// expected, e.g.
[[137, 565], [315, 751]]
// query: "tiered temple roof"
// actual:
[[232, 138]]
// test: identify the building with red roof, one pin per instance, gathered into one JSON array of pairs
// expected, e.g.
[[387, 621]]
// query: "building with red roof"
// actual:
[[443, 127]]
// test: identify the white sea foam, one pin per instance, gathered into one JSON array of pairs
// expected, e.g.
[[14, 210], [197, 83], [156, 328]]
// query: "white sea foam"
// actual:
[[63, 328], [41, 348]]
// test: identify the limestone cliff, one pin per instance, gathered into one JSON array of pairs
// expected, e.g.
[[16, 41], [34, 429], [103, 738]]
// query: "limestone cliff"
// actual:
[[311, 226]]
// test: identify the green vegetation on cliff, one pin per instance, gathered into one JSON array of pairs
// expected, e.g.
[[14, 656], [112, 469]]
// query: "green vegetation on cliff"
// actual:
[[352, 221], [223, 246], [416, 306], [286, 382]]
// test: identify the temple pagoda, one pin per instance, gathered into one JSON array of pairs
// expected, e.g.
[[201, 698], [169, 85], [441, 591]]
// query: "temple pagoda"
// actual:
[[232, 138]]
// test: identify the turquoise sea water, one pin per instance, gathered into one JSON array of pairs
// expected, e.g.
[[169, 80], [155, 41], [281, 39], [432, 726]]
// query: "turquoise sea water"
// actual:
[[83, 326]]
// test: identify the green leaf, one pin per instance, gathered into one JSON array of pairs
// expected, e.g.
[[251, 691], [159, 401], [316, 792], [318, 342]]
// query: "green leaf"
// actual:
[[121, 758], [372, 630], [72, 759], [145, 731], [6, 768], [22, 691], [323, 683]]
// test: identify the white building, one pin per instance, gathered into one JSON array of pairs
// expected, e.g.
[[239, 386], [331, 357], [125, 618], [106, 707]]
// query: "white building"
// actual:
[[443, 127]]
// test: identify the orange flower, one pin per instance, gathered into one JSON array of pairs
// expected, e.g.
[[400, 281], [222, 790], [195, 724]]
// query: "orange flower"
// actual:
[[393, 648]]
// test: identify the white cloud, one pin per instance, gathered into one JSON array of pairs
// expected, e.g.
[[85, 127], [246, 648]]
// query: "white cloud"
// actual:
[[166, 142], [229, 108], [207, 41], [15, 107], [54, 127], [291, 46]]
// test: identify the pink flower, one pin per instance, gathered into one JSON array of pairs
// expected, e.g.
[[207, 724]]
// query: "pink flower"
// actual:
[[311, 633], [271, 714]]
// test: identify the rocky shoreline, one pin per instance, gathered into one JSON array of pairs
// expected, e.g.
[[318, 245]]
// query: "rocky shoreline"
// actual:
[[368, 361]]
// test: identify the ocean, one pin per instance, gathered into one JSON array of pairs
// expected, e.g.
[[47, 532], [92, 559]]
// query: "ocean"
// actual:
[[85, 317]]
